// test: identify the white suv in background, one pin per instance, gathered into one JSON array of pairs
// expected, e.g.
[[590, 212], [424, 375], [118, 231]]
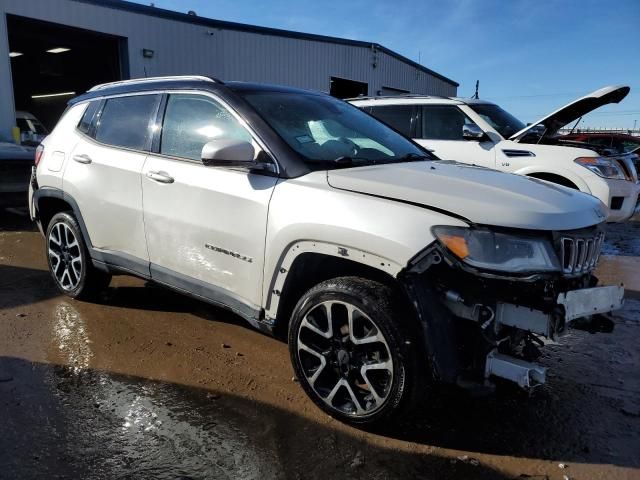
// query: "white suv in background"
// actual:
[[385, 268], [481, 133]]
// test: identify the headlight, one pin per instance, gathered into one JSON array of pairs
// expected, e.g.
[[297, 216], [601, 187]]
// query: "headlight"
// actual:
[[503, 252], [603, 167]]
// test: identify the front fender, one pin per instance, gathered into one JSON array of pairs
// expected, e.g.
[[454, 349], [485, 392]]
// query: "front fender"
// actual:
[[308, 216]]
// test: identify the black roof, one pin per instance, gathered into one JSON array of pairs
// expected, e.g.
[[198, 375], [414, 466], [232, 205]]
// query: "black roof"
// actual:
[[181, 83], [194, 19]]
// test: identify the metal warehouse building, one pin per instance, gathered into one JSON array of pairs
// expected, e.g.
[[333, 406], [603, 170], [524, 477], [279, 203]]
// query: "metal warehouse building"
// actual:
[[53, 49]]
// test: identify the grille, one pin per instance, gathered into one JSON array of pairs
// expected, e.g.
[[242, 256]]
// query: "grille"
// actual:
[[629, 165], [636, 163], [580, 255]]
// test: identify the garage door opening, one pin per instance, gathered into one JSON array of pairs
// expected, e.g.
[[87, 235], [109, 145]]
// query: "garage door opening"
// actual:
[[343, 88], [51, 63]]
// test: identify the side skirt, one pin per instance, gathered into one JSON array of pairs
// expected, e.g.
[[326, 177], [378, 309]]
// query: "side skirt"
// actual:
[[118, 263]]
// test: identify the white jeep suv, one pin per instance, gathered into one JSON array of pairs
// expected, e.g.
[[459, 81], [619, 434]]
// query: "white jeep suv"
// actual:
[[385, 268], [481, 133]]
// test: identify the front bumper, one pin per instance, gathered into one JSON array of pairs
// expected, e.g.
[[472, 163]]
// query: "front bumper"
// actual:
[[476, 328], [621, 198]]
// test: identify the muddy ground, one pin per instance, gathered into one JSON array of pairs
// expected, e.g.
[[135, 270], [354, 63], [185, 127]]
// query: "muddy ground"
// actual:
[[151, 384]]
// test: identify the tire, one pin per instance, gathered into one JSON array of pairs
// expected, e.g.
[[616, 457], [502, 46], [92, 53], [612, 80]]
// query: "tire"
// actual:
[[330, 366], [69, 261]]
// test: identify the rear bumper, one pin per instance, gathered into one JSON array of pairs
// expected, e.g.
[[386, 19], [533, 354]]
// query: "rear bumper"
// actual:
[[33, 188]]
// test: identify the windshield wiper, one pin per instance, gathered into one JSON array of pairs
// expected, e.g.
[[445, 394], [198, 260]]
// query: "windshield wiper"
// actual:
[[347, 161], [413, 157]]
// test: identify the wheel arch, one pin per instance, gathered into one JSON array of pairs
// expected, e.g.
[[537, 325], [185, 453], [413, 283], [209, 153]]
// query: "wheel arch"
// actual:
[[554, 178], [50, 201], [307, 263], [558, 176]]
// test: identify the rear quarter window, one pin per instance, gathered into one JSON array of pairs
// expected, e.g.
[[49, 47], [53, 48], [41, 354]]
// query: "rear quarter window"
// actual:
[[125, 121], [85, 125]]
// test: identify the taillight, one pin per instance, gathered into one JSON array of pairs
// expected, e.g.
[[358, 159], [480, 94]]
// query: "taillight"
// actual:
[[38, 155]]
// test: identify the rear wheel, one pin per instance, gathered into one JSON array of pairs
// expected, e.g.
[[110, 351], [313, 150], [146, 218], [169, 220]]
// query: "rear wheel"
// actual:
[[351, 351], [69, 261]]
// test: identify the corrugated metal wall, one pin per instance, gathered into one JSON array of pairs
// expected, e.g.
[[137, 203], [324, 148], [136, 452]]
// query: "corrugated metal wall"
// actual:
[[185, 48]]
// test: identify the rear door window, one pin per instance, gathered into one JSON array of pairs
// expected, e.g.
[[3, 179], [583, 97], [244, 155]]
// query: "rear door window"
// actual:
[[126, 121], [399, 117], [190, 121]]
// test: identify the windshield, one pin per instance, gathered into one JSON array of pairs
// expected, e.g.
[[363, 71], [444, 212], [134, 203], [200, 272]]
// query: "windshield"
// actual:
[[503, 122], [328, 132]]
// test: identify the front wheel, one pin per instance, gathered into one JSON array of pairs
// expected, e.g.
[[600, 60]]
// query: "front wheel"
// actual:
[[69, 261], [352, 351]]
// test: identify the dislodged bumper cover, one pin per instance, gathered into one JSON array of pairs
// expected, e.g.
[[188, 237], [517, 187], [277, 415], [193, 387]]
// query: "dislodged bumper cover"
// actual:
[[590, 301]]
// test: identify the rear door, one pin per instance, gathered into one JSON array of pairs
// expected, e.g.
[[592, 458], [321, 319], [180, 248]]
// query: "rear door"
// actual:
[[205, 226], [439, 128], [103, 176]]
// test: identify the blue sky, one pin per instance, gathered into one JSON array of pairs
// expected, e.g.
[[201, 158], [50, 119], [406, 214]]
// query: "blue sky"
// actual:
[[530, 56]]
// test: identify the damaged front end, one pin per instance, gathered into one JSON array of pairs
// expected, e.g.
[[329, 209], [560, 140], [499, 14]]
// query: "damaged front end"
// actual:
[[488, 299]]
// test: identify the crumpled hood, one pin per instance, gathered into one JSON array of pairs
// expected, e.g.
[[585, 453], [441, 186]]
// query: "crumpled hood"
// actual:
[[480, 195]]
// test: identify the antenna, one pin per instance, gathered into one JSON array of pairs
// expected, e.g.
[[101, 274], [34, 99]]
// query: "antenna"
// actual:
[[476, 95]]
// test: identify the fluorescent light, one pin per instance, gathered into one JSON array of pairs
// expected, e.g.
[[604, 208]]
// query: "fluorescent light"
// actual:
[[58, 50], [48, 95], [15, 54]]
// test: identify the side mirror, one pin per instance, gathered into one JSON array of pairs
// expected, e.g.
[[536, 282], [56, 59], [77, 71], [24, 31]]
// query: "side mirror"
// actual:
[[472, 132], [228, 153]]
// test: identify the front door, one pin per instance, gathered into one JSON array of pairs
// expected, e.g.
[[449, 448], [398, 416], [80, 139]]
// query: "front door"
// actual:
[[440, 130], [205, 226]]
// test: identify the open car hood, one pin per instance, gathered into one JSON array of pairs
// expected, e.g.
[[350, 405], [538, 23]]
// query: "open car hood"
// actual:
[[574, 110], [480, 195]]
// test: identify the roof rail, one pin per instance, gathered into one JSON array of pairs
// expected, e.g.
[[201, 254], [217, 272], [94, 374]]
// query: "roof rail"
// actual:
[[134, 81], [403, 95]]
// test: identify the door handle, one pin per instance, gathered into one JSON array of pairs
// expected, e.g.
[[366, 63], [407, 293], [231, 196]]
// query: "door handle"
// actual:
[[82, 158], [161, 177]]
